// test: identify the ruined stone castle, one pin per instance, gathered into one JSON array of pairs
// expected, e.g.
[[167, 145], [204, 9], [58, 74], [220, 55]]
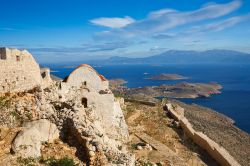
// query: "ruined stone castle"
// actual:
[[18, 71], [81, 105]]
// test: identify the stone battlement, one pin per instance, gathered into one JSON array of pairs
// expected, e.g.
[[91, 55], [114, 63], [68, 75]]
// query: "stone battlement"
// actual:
[[18, 71], [12, 54]]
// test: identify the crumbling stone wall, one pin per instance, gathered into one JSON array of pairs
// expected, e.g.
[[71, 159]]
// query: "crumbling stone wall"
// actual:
[[220, 154], [45, 73], [18, 71]]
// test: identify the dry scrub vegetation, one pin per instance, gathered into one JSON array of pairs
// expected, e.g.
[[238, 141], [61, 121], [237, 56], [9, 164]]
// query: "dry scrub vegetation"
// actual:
[[159, 128]]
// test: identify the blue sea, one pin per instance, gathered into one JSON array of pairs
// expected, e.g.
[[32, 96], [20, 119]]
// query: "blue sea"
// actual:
[[234, 101]]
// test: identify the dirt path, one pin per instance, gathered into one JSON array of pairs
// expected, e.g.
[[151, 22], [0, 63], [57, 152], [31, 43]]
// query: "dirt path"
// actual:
[[162, 149], [133, 117]]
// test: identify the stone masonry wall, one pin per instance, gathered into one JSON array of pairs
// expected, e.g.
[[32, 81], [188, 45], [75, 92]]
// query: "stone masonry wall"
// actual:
[[18, 71], [220, 154]]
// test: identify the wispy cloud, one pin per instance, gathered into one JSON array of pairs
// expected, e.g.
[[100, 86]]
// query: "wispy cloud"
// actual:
[[165, 19], [114, 22], [211, 27], [13, 45], [221, 25], [157, 49], [109, 46], [163, 36], [84, 52]]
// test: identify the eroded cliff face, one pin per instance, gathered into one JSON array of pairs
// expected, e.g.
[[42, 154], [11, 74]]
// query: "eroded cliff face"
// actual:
[[82, 109]]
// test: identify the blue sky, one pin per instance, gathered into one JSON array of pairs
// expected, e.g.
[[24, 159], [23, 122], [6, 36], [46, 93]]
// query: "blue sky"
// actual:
[[75, 30]]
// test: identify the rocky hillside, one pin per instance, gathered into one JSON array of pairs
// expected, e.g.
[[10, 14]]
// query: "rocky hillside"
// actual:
[[43, 116], [79, 114]]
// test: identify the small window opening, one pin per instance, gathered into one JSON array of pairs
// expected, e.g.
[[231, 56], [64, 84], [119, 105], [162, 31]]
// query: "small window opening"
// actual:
[[2, 56], [85, 102], [43, 74], [18, 58], [85, 83]]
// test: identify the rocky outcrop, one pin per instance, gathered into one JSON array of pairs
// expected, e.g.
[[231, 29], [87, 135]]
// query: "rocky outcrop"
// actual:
[[29, 141]]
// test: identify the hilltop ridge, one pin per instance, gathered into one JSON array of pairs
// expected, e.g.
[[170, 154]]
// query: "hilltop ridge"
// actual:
[[215, 56]]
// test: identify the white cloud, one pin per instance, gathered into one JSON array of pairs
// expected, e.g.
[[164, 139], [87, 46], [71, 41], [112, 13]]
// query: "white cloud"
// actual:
[[158, 13], [165, 19], [114, 22], [218, 26], [101, 47], [212, 27]]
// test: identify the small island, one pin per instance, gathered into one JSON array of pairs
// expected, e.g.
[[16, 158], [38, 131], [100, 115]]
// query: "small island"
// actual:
[[180, 90], [115, 83], [165, 76]]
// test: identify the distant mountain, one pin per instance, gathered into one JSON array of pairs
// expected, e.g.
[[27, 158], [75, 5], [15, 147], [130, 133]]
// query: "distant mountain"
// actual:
[[182, 57]]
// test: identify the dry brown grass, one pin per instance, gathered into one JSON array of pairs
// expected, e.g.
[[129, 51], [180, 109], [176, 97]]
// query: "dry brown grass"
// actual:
[[154, 122]]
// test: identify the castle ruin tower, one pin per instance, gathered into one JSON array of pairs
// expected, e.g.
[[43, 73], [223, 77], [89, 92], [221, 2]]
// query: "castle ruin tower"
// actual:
[[18, 71]]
